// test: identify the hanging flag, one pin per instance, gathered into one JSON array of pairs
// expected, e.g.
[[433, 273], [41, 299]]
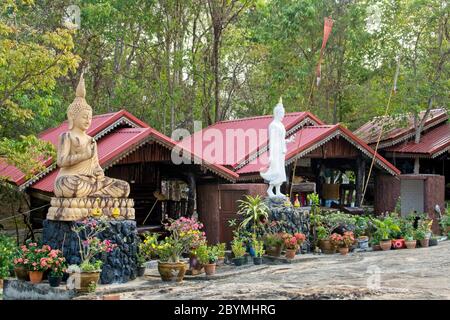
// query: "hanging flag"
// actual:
[[327, 27]]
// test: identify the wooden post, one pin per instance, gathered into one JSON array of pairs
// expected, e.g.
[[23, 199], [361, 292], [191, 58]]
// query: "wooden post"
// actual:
[[192, 193], [360, 175]]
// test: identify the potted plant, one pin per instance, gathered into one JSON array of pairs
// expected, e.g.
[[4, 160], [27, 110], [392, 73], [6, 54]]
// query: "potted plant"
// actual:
[[89, 247], [259, 251], [38, 261], [57, 266], [347, 240], [292, 243], [208, 257], [384, 229], [323, 236], [421, 235], [141, 260], [433, 241], [220, 253], [170, 267], [410, 242], [238, 250], [445, 223], [274, 244], [254, 211]]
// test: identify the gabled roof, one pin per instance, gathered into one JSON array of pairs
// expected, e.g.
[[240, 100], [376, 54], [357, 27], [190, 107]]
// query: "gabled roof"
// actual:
[[397, 129], [310, 138], [113, 143], [232, 156], [432, 143]]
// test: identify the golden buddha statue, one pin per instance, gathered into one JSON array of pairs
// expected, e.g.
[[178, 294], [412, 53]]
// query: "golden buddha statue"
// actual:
[[81, 184]]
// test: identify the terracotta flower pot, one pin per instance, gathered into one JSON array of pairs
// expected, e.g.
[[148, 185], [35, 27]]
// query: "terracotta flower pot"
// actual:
[[220, 261], [274, 251], [86, 279], [343, 250], [210, 269], [290, 253], [410, 244], [172, 271], [22, 273], [327, 247], [36, 276], [424, 243], [386, 245]]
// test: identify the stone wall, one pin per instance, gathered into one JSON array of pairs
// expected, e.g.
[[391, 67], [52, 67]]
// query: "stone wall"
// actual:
[[290, 220], [118, 266]]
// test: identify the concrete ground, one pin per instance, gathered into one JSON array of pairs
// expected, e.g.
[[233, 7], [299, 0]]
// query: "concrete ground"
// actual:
[[422, 273]]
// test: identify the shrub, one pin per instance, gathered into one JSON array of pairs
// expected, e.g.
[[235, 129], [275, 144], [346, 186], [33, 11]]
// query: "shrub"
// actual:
[[8, 250]]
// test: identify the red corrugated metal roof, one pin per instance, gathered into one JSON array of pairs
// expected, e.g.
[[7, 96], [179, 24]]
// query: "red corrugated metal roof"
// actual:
[[228, 152], [99, 123], [431, 143], [308, 139], [397, 129], [117, 142]]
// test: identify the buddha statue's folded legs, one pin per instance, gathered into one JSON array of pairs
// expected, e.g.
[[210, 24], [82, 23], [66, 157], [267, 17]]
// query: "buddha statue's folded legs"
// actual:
[[80, 186]]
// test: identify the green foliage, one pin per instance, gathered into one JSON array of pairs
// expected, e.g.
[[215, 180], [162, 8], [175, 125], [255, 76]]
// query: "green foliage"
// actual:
[[202, 254], [322, 233], [254, 212], [88, 266], [147, 248], [221, 249], [258, 246], [8, 251], [237, 247]]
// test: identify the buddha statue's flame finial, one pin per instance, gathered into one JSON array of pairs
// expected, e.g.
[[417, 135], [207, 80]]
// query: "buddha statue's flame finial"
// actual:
[[281, 100], [81, 88]]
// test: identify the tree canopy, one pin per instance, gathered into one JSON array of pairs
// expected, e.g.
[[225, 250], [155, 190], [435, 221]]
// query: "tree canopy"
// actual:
[[171, 62]]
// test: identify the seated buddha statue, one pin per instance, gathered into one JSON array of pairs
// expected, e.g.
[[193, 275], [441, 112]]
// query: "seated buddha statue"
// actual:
[[80, 174]]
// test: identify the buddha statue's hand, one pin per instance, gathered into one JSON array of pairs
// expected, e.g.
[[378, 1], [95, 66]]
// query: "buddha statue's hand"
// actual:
[[99, 173]]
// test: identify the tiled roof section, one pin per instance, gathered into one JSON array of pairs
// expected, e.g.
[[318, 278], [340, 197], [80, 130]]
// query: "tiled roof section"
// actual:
[[398, 129], [309, 139], [252, 132], [432, 143]]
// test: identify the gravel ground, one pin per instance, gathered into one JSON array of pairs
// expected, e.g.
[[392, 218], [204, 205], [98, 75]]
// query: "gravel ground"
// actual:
[[421, 273]]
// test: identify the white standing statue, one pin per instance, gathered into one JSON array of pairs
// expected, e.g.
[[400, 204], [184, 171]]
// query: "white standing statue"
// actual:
[[276, 174]]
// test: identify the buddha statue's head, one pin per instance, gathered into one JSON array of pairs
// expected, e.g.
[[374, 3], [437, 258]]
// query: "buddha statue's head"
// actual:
[[278, 111], [79, 113]]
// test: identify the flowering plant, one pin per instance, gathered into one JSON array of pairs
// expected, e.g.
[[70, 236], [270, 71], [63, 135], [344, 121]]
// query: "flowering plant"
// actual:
[[38, 259], [57, 263], [91, 245], [336, 239], [347, 239], [21, 260], [169, 250], [188, 232], [147, 248], [293, 242]]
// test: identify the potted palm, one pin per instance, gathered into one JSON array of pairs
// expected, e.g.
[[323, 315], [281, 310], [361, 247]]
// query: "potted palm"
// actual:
[[238, 250], [254, 212]]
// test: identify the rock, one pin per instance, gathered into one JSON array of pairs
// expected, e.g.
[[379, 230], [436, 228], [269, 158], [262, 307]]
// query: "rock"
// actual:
[[119, 265]]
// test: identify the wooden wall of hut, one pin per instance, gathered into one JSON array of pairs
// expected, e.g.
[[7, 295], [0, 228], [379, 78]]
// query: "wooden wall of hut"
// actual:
[[151, 152], [336, 148]]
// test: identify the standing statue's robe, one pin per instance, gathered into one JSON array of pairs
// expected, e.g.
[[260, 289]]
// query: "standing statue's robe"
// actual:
[[276, 174]]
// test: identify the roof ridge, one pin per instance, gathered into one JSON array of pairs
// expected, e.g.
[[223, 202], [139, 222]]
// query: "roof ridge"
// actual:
[[260, 117]]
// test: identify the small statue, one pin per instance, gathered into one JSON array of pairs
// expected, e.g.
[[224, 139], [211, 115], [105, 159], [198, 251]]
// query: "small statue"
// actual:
[[296, 201], [276, 174], [287, 202], [81, 187]]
